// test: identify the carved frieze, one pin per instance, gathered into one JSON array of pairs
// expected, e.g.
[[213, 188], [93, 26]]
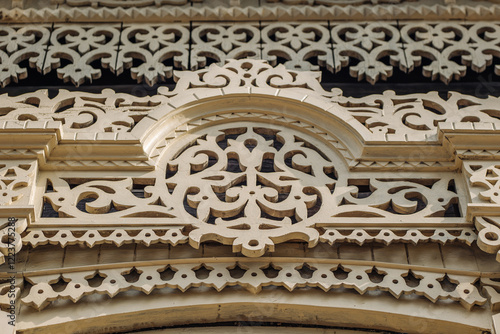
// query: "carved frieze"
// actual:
[[123, 3], [371, 51], [254, 276]]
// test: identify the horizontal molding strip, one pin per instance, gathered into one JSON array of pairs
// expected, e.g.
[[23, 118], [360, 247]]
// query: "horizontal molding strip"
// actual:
[[205, 12], [79, 53]]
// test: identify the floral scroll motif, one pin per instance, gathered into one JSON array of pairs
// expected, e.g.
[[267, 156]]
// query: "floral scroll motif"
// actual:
[[79, 111], [255, 186], [152, 46], [99, 197], [416, 116], [15, 182], [221, 43], [298, 44], [247, 73], [81, 45], [369, 44], [251, 185], [487, 177]]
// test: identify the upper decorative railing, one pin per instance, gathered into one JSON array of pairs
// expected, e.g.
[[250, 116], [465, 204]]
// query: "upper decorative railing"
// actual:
[[150, 52]]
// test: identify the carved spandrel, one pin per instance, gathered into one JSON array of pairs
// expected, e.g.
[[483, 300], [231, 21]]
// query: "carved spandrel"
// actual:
[[80, 111], [253, 185]]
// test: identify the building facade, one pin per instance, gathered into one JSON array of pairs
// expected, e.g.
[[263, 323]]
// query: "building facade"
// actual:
[[320, 166]]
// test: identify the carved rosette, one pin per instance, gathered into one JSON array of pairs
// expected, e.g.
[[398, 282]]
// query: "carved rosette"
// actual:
[[251, 186]]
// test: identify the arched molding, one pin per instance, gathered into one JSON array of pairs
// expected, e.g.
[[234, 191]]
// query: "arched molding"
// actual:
[[296, 109], [374, 311]]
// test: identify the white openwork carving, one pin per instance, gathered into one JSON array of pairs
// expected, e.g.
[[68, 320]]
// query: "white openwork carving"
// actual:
[[253, 277], [80, 111], [389, 236], [370, 50], [18, 43], [247, 73], [416, 116], [114, 198], [153, 45], [486, 176], [441, 43], [220, 43], [369, 44], [298, 44], [16, 188], [16, 179], [253, 185], [488, 238], [118, 237], [386, 117], [81, 45]]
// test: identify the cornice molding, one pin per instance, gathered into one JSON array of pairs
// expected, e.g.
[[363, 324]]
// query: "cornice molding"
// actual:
[[268, 12]]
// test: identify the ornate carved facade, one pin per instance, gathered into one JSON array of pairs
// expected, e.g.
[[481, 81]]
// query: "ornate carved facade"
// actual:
[[163, 173]]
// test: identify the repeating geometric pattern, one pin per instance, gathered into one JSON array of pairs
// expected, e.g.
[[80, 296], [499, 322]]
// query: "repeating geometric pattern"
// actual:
[[444, 50], [123, 3], [253, 276], [448, 10]]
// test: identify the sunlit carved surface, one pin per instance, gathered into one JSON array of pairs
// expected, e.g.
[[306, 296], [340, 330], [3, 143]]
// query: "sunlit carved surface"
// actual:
[[373, 51], [253, 277]]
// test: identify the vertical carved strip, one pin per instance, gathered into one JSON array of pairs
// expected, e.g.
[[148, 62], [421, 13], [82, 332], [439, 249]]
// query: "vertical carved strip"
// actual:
[[16, 203]]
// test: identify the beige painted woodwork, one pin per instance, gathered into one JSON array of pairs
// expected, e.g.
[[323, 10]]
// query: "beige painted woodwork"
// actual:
[[246, 192], [80, 52], [191, 189], [246, 10]]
